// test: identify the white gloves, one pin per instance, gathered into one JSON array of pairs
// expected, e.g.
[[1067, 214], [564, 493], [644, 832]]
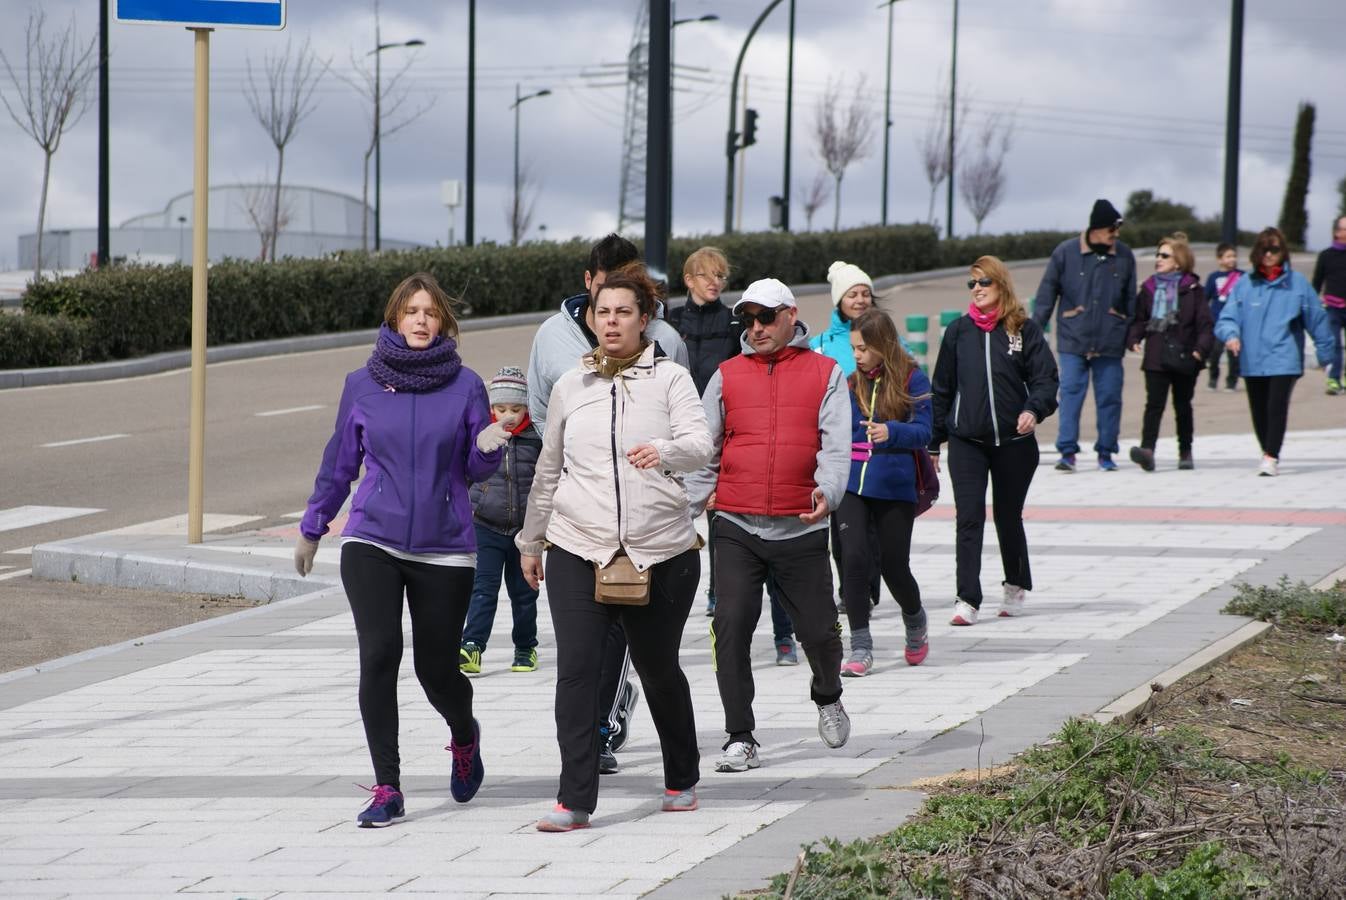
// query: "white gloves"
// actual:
[[304, 551], [492, 437]]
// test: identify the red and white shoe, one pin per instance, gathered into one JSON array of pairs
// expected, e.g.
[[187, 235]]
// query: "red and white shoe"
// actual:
[[963, 614], [1013, 602]]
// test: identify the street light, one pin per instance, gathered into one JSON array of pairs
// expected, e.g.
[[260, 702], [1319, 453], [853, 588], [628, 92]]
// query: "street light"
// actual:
[[377, 53], [672, 132], [887, 106], [731, 138], [519, 101]]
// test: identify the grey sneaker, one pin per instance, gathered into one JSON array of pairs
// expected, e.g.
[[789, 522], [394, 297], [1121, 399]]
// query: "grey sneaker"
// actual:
[[785, 653], [739, 756], [680, 801], [834, 726], [562, 819], [859, 665]]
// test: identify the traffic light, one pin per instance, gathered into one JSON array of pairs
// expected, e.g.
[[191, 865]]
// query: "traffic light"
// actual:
[[749, 127]]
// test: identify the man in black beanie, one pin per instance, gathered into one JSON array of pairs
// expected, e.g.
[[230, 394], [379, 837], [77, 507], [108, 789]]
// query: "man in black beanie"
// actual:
[[1094, 278]]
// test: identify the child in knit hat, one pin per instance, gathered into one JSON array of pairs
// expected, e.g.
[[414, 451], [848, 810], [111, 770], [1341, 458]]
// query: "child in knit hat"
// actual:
[[852, 294], [498, 506]]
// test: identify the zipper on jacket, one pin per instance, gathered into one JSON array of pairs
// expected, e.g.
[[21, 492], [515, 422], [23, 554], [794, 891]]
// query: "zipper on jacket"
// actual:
[[771, 457], [873, 392], [509, 491], [990, 389], [957, 404], [616, 474], [411, 499]]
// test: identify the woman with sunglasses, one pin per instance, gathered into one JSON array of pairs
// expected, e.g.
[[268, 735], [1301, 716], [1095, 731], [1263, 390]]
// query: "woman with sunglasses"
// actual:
[[1174, 325], [995, 381], [1263, 324]]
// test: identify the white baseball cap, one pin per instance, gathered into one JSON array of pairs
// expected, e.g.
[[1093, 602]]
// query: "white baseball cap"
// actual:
[[767, 292]]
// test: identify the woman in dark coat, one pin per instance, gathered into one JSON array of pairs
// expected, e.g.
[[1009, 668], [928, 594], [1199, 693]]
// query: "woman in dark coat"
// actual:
[[1173, 325]]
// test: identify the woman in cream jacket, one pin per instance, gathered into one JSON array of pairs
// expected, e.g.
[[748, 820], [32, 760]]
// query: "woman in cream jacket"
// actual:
[[621, 430]]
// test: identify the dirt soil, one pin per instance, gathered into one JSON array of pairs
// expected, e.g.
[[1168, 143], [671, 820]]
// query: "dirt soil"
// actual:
[[43, 620]]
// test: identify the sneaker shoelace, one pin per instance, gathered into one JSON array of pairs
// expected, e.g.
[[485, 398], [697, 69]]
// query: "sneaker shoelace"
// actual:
[[383, 794], [462, 759]]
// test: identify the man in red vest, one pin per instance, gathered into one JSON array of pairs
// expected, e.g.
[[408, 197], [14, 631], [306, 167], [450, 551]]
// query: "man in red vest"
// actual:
[[781, 420]]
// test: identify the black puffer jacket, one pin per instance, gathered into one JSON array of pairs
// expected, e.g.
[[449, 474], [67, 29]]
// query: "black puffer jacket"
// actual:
[[711, 333], [983, 381], [499, 502]]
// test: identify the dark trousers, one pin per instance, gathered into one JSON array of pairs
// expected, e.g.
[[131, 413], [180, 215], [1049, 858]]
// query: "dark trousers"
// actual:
[[892, 520], [1231, 364], [438, 597], [1269, 403], [654, 632], [497, 557], [613, 675], [1010, 467], [803, 579], [1157, 388], [782, 629], [838, 557]]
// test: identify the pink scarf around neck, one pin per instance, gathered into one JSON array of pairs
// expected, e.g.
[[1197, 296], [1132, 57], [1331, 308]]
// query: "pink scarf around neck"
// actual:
[[986, 321]]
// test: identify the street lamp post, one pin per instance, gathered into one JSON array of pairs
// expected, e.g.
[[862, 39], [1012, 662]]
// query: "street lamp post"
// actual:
[[887, 107], [1229, 225], [731, 138], [514, 228], [377, 53], [953, 123], [672, 132]]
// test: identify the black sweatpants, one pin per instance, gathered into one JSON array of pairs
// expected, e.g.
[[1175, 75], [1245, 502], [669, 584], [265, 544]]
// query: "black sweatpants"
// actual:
[[803, 578], [1158, 385], [654, 633], [1269, 403], [438, 596], [1010, 467], [892, 520], [1231, 361]]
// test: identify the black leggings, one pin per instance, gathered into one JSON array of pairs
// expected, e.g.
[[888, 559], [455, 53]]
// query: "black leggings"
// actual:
[[1157, 387], [1011, 467], [892, 519], [438, 597], [1269, 402]]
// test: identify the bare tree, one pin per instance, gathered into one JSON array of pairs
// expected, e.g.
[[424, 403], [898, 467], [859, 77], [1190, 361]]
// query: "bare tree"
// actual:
[[981, 173], [932, 145], [392, 108], [842, 135], [279, 107], [259, 203], [815, 194], [53, 93], [519, 210]]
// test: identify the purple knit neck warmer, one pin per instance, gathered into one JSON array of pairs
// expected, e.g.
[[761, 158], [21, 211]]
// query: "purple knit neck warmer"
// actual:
[[400, 368]]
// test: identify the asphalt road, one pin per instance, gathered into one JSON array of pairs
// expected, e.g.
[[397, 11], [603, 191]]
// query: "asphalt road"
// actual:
[[268, 420]]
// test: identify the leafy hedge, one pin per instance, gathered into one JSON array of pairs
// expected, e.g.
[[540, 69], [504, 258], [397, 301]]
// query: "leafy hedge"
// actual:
[[131, 311]]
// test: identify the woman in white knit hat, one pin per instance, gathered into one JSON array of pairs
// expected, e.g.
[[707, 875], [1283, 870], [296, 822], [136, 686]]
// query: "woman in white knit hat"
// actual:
[[852, 294]]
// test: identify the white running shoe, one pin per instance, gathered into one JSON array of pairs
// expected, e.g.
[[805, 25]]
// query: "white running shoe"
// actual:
[[1270, 468], [739, 756], [834, 726], [1012, 604], [963, 614]]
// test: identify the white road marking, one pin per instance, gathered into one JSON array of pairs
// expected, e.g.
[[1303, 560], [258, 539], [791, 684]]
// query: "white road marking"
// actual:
[[18, 574], [292, 409], [177, 525], [22, 551], [28, 516], [87, 440]]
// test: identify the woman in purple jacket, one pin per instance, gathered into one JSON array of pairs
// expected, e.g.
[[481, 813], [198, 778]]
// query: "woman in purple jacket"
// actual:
[[420, 424]]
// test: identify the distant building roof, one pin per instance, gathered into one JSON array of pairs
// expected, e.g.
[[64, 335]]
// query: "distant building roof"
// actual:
[[306, 210]]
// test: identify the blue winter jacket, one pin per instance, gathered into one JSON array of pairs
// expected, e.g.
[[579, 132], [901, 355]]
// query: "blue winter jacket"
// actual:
[[1097, 296], [419, 453], [888, 470], [836, 343], [1269, 318]]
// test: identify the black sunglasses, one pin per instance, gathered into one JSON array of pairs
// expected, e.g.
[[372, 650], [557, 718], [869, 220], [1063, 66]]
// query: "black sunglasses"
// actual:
[[765, 317], [1274, 250], [982, 282], [1162, 255]]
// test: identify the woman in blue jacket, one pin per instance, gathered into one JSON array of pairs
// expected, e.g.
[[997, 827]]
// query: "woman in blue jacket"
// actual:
[[1263, 324], [418, 421], [890, 421], [852, 294]]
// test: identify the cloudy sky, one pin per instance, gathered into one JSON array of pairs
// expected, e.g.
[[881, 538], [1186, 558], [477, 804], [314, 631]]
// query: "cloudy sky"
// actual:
[[1106, 97]]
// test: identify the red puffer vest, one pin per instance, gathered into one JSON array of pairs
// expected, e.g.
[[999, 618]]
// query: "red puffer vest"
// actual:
[[771, 439]]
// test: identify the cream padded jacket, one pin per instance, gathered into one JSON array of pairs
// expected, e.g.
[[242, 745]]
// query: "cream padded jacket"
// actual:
[[586, 496]]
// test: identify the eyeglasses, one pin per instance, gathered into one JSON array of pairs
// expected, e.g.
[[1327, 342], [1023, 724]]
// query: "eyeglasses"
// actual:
[[711, 276], [765, 317], [979, 282], [1162, 255], [1274, 250]]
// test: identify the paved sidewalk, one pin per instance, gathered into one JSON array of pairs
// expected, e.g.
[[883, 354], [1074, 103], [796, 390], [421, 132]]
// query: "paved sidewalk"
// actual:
[[220, 759]]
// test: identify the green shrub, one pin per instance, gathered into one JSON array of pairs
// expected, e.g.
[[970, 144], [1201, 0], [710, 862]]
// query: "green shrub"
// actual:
[[1285, 603], [30, 340]]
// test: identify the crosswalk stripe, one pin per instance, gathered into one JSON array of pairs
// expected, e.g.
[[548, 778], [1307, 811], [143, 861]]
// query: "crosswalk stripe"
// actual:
[[28, 516], [87, 440], [18, 574], [286, 412]]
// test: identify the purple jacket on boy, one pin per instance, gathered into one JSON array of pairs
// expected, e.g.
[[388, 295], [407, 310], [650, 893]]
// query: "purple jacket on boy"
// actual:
[[420, 455]]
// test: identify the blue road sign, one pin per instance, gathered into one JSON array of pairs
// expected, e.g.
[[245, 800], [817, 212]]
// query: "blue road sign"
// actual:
[[268, 14]]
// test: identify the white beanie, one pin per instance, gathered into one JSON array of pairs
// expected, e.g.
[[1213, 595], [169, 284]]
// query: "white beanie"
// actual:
[[843, 276]]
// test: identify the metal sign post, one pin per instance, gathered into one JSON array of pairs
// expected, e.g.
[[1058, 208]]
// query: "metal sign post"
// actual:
[[201, 17]]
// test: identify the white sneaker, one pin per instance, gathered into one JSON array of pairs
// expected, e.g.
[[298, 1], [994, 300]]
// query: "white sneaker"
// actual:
[[963, 614], [740, 756], [834, 726], [1270, 468], [1012, 604]]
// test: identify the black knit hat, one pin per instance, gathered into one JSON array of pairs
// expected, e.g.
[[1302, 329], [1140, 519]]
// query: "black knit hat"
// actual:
[[1104, 215]]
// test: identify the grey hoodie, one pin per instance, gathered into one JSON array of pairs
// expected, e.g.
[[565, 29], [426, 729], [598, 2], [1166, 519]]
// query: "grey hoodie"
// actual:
[[834, 454], [564, 338]]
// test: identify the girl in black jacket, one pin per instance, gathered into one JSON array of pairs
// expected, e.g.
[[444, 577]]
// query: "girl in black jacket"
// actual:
[[995, 380]]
